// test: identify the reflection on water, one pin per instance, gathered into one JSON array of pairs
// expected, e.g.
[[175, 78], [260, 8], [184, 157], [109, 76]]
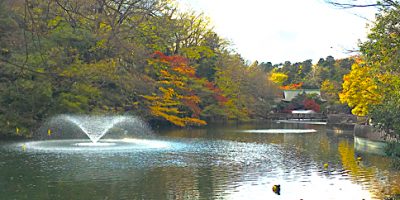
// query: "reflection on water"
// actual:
[[220, 162], [84, 146], [284, 131]]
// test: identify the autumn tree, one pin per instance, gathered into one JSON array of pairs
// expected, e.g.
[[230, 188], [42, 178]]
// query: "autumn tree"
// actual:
[[278, 78], [301, 102], [229, 78], [330, 90], [381, 51], [360, 91], [248, 89], [175, 100]]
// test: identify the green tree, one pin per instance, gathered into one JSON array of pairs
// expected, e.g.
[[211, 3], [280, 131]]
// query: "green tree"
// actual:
[[230, 78], [381, 51]]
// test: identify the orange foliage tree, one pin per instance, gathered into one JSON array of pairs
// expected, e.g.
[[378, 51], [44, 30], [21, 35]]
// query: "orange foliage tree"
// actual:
[[293, 86], [174, 101]]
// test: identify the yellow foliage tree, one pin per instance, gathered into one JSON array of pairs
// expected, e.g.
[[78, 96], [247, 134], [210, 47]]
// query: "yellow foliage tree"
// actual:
[[330, 90], [360, 90], [175, 101], [278, 78], [328, 86]]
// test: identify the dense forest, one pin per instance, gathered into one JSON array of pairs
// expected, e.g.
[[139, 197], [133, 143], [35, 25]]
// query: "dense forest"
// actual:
[[150, 59]]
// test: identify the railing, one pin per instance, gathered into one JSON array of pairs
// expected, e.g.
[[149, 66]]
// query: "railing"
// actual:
[[297, 116]]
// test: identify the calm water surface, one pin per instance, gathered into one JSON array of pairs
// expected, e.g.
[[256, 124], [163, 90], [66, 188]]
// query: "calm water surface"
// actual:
[[218, 162]]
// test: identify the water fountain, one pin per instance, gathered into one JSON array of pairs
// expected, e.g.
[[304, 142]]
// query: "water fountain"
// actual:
[[96, 127], [67, 133]]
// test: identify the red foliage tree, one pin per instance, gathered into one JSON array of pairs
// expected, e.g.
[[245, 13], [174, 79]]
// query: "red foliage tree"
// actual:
[[217, 93], [310, 104], [176, 100]]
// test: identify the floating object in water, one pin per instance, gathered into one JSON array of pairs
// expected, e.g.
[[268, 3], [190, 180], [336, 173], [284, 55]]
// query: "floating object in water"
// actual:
[[326, 165], [23, 147], [48, 132], [276, 189], [17, 130]]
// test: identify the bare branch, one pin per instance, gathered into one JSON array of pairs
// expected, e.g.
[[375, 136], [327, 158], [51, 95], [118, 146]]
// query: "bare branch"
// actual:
[[385, 3]]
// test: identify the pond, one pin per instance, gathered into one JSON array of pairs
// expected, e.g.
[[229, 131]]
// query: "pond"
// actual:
[[217, 162]]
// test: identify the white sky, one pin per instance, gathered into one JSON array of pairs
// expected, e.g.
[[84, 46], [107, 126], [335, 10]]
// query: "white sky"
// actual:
[[285, 30]]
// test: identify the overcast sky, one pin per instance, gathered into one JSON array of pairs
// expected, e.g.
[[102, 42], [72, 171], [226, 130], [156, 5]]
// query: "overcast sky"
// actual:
[[281, 30]]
